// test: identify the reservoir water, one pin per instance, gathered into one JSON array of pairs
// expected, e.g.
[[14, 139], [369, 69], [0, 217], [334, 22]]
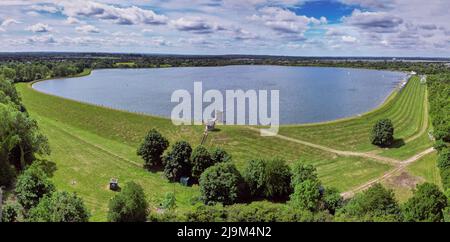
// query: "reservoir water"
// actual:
[[307, 94]]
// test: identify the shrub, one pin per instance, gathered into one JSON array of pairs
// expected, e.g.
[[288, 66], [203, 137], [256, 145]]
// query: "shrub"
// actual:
[[31, 186], [302, 172], [306, 195], [277, 178], [169, 201], [7, 173], [375, 204], [152, 148], [177, 161], [10, 212], [443, 161], [332, 200], [219, 155], [254, 177], [200, 160], [426, 204], [440, 145], [59, 207], [221, 183], [383, 133], [129, 205]]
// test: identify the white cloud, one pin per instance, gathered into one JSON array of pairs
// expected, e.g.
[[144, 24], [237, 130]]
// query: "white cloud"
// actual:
[[380, 22], [43, 39], [7, 22], [39, 28], [196, 25], [285, 21], [45, 8], [349, 39], [124, 16], [85, 29], [72, 20]]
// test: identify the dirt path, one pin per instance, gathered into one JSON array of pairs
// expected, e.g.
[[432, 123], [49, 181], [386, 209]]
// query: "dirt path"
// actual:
[[398, 164], [399, 168], [338, 152]]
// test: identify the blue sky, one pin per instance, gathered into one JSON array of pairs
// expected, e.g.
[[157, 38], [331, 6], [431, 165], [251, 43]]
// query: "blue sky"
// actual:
[[274, 27]]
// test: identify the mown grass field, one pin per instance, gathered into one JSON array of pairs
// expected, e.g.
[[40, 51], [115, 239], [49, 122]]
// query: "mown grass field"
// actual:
[[406, 109], [91, 144]]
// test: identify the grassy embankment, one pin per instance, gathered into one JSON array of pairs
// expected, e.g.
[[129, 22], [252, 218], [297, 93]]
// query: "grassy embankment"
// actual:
[[407, 111], [91, 144]]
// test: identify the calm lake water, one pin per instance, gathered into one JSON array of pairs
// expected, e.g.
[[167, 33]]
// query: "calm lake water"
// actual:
[[307, 94]]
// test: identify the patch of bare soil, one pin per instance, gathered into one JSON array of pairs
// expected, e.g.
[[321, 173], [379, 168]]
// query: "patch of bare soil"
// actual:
[[404, 180]]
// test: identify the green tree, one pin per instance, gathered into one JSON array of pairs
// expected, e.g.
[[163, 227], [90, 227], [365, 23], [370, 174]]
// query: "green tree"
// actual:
[[129, 205], [31, 186], [277, 178], [10, 212], [306, 195], [152, 149], [426, 204], [382, 133], [177, 161], [59, 207], [254, 176], [443, 161], [220, 155], [332, 200], [200, 160], [302, 172], [375, 204], [221, 183]]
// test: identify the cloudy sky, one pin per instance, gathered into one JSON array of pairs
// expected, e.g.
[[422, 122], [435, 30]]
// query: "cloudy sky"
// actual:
[[275, 27]]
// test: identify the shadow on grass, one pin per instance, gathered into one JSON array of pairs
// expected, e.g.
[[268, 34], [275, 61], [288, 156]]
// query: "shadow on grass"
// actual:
[[397, 144]]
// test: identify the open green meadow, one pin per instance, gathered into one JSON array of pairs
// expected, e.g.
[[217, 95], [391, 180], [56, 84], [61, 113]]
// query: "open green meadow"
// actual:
[[92, 144], [406, 109]]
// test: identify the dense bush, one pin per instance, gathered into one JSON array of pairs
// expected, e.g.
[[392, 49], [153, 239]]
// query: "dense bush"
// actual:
[[152, 149], [254, 212], [269, 179], [200, 161], [382, 133], [302, 172], [10, 212], [332, 200], [439, 99], [177, 161], [443, 163], [277, 178], [220, 155], [306, 195], [31, 186], [375, 204], [129, 205], [254, 176], [426, 205], [221, 183], [59, 207]]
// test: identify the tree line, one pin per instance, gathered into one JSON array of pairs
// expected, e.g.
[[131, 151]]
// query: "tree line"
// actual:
[[266, 190]]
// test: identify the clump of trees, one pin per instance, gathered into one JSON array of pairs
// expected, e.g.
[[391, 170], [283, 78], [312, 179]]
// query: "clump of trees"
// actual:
[[177, 161], [376, 204], [382, 133], [129, 205], [426, 205], [59, 207]]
